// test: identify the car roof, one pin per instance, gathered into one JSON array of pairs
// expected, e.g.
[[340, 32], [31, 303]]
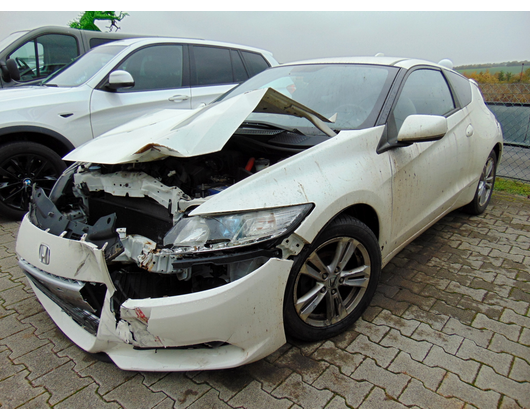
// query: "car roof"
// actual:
[[385, 61], [156, 39]]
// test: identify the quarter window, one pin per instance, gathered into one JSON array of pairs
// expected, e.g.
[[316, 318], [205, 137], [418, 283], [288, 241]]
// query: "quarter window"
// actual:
[[255, 63], [462, 88]]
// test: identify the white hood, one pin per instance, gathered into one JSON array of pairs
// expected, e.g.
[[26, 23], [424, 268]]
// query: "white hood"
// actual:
[[188, 133]]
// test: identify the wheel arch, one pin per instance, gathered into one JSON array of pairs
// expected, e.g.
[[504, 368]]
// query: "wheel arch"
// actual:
[[498, 151], [364, 213], [46, 137]]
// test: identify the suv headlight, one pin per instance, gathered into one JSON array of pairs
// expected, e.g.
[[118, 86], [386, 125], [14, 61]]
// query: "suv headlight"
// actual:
[[215, 232]]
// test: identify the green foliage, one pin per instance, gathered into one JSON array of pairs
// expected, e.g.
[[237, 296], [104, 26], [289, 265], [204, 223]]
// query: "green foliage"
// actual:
[[87, 20], [512, 187]]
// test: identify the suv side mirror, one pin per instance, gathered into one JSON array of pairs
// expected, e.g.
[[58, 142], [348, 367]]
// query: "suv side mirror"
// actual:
[[119, 79], [9, 70], [417, 128]]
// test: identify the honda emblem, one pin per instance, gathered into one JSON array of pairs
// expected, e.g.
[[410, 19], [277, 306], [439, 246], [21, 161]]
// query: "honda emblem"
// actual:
[[44, 254]]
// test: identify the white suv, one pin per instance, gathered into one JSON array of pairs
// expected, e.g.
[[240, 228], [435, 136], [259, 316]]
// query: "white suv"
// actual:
[[107, 87]]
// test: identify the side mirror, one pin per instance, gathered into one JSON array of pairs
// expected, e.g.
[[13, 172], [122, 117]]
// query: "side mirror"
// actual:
[[9, 70], [418, 128], [119, 79]]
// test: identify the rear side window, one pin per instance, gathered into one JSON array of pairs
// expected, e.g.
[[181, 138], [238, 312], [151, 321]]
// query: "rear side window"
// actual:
[[461, 86], [94, 42], [255, 63], [213, 66]]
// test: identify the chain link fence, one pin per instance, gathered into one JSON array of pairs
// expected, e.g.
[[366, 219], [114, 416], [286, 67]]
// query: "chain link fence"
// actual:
[[510, 102]]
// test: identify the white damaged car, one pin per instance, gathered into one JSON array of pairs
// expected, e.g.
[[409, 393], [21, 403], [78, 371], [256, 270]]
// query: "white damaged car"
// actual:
[[201, 239]]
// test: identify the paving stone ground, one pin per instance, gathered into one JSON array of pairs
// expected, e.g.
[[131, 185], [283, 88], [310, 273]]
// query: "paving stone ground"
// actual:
[[449, 327]]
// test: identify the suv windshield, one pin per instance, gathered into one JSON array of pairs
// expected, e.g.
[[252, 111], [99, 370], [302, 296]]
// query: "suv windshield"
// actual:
[[7, 41], [84, 67], [354, 92]]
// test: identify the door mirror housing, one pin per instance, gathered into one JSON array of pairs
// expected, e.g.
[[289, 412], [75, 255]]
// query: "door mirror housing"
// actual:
[[9, 70], [119, 79], [418, 128]]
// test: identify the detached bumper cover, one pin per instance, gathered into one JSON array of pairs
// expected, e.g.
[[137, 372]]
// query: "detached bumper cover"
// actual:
[[172, 333]]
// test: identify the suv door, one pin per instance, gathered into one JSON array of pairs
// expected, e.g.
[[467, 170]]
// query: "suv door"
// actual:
[[161, 77], [422, 191]]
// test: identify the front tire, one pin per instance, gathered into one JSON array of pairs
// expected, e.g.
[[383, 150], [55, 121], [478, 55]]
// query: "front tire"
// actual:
[[23, 164], [485, 187], [333, 281]]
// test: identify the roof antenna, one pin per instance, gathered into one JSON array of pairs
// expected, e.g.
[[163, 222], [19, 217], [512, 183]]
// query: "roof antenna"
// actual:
[[446, 63], [380, 55]]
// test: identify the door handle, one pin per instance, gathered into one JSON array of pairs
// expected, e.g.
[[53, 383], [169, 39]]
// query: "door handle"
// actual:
[[469, 130], [179, 98]]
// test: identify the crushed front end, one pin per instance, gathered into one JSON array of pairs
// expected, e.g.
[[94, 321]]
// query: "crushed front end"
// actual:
[[122, 267]]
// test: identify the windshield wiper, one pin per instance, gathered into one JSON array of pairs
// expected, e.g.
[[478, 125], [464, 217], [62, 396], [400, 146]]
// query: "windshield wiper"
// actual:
[[268, 126]]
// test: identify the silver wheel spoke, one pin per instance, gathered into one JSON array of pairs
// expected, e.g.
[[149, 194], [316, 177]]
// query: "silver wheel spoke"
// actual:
[[335, 309], [358, 277], [307, 303], [332, 282]]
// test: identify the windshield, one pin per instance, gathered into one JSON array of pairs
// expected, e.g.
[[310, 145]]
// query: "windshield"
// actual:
[[7, 41], [84, 67], [354, 92]]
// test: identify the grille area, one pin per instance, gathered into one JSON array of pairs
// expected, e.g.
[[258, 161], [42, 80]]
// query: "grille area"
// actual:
[[89, 297]]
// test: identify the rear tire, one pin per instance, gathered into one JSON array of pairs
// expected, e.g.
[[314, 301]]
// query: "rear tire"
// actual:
[[485, 187], [22, 165]]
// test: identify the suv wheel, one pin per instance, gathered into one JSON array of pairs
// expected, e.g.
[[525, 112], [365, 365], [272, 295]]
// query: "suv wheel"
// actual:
[[22, 165]]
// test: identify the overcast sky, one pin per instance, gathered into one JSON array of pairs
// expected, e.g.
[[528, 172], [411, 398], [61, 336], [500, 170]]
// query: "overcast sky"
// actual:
[[464, 37]]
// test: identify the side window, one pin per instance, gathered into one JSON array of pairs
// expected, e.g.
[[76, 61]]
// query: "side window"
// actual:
[[42, 56], [156, 67], [213, 66], [94, 42], [425, 92], [462, 88], [255, 63], [240, 74]]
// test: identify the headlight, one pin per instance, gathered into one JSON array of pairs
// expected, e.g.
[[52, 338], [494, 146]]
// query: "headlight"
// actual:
[[208, 233]]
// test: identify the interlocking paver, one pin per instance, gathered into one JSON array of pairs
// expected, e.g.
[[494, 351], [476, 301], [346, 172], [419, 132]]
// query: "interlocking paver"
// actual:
[[469, 308], [352, 390], [452, 386], [429, 376]]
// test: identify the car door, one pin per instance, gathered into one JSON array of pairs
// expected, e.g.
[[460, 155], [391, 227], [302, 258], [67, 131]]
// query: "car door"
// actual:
[[427, 176], [161, 77]]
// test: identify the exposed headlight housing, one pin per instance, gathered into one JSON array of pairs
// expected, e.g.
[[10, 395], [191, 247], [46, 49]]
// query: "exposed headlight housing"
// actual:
[[223, 231]]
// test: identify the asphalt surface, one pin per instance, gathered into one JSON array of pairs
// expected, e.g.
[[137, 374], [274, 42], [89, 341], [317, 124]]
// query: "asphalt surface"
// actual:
[[449, 327]]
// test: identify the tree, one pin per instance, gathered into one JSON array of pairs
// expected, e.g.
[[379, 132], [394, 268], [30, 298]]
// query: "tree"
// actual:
[[87, 20]]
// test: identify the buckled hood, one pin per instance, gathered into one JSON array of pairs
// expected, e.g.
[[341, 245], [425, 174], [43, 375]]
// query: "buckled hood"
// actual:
[[183, 133]]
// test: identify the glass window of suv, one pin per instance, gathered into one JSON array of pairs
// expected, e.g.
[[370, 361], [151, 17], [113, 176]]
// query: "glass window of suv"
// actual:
[[213, 66], [85, 67], [155, 67], [44, 55], [255, 63], [240, 74]]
